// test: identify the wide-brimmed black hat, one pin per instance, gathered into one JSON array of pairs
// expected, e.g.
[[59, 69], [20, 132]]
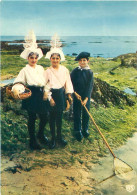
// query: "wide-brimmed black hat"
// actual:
[[82, 55]]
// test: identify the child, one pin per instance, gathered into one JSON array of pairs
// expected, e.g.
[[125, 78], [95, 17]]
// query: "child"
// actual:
[[59, 80], [32, 75], [82, 79]]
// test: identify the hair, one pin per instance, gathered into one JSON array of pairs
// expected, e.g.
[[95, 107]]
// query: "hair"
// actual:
[[56, 54], [33, 53]]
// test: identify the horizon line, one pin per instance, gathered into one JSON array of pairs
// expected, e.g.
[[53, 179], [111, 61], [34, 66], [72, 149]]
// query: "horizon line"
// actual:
[[78, 35]]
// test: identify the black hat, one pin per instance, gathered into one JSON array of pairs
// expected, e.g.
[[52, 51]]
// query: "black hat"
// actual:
[[82, 55]]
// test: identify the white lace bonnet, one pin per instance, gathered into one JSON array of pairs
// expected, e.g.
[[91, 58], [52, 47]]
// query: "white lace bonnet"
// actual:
[[55, 48], [30, 45]]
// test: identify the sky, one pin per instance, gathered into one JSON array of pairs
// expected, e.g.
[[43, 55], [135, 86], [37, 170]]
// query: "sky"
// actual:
[[69, 18]]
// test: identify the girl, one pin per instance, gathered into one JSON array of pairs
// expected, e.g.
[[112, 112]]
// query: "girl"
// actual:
[[32, 75], [58, 78]]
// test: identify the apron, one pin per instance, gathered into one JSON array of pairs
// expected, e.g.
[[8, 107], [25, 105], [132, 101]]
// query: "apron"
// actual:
[[58, 96], [35, 102]]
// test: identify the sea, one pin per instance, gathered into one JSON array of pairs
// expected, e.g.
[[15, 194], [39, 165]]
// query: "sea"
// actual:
[[97, 46]]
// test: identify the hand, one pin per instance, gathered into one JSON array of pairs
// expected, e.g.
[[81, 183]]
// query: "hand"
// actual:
[[70, 98], [45, 96], [77, 96], [85, 101], [67, 105], [52, 102], [16, 94]]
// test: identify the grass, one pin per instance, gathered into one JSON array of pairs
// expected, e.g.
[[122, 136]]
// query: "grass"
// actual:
[[122, 78], [116, 123], [116, 127]]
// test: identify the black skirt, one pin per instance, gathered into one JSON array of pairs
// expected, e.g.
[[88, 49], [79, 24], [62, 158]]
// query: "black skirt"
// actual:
[[58, 96], [35, 102]]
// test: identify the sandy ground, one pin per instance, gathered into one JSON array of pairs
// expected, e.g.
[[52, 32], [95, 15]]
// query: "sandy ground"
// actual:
[[47, 180]]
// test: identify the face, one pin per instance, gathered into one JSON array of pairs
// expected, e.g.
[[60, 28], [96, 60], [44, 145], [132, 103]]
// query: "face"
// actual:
[[83, 62], [32, 60], [55, 60]]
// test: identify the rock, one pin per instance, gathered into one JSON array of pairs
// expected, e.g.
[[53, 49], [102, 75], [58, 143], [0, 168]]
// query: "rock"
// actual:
[[105, 94], [128, 60], [7, 165], [74, 54]]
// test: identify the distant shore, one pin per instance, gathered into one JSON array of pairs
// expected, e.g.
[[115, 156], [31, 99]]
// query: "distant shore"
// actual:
[[97, 46]]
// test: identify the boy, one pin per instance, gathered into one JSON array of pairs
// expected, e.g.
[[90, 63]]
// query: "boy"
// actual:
[[82, 79]]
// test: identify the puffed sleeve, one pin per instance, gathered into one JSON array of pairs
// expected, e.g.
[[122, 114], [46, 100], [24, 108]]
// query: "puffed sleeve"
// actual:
[[21, 79], [47, 85], [68, 85]]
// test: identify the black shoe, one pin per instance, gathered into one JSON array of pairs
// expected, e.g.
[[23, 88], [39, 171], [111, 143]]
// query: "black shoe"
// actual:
[[85, 133], [62, 142], [52, 144], [43, 139], [78, 136], [34, 145]]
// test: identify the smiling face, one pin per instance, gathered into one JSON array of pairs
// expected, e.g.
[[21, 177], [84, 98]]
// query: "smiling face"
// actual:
[[32, 60], [55, 60], [83, 62]]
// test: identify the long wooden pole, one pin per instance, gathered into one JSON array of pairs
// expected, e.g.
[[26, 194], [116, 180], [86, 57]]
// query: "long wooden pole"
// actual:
[[79, 98]]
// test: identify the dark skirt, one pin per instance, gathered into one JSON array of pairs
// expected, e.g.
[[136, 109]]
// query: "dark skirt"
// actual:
[[35, 102], [58, 96]]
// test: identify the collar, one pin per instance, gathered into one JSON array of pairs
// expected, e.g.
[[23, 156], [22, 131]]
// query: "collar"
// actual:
[[28, 66], [85, 68], [54, 69]]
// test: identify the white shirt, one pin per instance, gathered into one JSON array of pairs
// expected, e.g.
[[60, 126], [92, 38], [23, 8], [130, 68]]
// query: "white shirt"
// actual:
[[31, 76], [57, 78]]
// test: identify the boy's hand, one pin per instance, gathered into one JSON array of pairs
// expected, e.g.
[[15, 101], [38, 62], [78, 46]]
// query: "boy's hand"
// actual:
[[85, 101], [45, 96], [52, 102]]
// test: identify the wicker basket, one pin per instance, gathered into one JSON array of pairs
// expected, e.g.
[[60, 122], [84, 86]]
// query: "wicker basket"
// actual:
[[26, 94]]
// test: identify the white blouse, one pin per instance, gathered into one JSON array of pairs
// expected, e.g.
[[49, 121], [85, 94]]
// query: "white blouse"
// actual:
[[57, 78], [31, 76]]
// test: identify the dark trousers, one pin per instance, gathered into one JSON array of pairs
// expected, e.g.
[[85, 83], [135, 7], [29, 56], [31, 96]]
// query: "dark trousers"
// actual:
[[81, 117], [31, 124], [55, 121], [56, 112]]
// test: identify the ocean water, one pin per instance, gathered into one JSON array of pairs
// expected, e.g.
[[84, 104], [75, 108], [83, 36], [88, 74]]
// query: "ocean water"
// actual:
[[103, 46]]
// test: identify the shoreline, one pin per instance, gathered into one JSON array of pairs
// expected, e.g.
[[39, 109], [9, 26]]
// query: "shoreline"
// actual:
[[107, 47]]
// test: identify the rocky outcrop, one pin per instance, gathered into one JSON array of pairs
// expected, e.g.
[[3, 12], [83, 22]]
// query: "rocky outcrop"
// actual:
[[17, 49], [105, 94], [128, 60]]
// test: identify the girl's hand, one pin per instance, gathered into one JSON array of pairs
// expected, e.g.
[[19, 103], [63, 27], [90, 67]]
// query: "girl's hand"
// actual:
[[45, 96], [16, 94], [70, 98], [52, 102]]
